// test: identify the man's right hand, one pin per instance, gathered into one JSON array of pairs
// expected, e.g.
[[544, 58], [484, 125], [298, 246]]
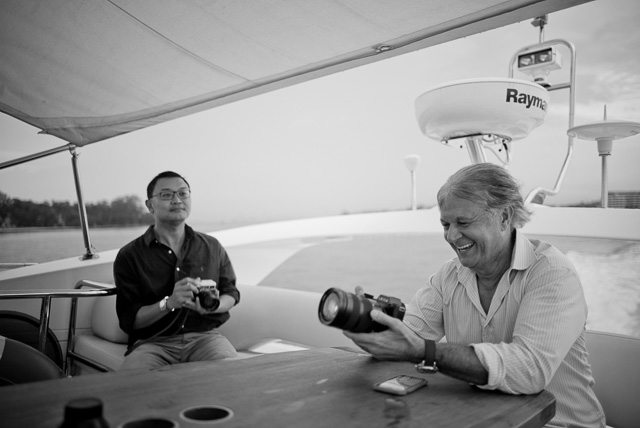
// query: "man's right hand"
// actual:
[[183, 294]]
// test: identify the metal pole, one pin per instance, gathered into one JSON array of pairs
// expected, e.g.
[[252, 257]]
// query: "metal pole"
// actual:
[[604, 197], [34, 156], [45, 313], [414, 201], [81, 208], [538, 194], [476, 150], [412, 162]]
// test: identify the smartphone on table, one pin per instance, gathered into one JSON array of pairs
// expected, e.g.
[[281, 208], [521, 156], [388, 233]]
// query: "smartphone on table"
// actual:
[[400, 385]]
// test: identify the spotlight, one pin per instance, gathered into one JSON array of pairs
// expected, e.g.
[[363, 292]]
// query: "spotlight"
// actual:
[[539, 63]]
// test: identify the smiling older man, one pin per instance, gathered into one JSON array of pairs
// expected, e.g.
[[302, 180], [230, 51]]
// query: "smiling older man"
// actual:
[[512, 308]]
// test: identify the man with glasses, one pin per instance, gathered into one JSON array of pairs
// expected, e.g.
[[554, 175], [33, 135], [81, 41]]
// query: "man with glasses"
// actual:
[[161, 302]]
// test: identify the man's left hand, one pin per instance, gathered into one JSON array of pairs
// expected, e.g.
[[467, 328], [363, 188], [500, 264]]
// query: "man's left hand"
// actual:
[[202, 311], [398, 343]]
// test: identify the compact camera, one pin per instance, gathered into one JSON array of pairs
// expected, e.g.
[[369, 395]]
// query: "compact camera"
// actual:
[[351, 312], [208, 299]]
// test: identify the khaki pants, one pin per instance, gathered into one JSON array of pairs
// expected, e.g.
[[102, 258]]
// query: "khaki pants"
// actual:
[[181, 348]]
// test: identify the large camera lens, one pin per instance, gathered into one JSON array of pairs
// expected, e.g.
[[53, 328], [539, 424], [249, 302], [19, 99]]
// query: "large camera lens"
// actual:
[[347, 311]]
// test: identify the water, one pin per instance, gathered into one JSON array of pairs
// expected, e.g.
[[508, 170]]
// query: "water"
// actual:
[[399, 265], [395, 265], [39, 246]]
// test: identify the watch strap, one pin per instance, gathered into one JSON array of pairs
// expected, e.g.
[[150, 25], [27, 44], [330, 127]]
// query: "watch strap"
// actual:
[[428, 365], [164, 304]]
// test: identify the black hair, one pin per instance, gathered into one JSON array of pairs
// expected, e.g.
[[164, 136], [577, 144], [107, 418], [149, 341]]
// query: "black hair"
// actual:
[[165, 174]]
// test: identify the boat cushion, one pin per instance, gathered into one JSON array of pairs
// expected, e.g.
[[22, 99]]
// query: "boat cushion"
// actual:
[[105, 352], [104, 321]]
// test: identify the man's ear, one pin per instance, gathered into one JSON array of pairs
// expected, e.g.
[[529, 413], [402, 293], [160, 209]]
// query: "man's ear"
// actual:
[[149, 206], [505, 217]]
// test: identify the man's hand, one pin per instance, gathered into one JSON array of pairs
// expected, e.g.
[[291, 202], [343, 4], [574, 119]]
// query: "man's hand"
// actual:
[[202, 311], [183, 293], [184, 296], [398, 343]]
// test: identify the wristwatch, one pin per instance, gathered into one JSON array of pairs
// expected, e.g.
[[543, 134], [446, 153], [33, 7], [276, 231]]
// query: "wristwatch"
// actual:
[[163, 304], [428, 365]]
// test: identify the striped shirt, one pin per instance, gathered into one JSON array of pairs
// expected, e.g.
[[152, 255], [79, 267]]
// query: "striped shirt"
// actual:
[[532, 337]]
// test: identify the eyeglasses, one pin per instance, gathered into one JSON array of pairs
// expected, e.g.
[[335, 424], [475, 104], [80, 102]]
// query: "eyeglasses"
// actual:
[[167, 195]]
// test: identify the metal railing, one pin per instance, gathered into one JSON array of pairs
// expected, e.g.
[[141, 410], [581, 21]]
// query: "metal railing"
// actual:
[[70, 355], [538, 194], [97, 289]]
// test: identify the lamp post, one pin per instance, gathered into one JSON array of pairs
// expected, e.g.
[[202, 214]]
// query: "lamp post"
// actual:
[[412, 162]]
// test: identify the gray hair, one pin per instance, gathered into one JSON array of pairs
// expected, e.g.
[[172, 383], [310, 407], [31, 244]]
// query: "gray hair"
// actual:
[[487, 184]]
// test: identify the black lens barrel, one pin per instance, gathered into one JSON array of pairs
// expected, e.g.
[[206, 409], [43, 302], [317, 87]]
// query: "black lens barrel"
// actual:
[[352, 314]]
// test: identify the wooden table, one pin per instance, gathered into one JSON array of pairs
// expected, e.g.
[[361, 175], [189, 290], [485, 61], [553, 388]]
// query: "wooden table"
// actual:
[[323, 387]]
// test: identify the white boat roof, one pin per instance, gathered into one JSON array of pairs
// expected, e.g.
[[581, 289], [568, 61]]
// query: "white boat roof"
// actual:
[[89, 70]]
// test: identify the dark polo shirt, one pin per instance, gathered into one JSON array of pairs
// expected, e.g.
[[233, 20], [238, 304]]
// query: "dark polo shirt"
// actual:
[[145, 271]]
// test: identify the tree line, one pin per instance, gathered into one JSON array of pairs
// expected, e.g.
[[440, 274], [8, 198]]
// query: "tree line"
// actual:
[[122, 211]]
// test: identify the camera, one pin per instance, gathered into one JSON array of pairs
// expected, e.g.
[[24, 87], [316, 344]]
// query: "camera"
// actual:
[[351, 312], [208, 299]]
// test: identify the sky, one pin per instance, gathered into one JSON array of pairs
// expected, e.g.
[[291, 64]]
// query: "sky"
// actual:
[[336, 145]]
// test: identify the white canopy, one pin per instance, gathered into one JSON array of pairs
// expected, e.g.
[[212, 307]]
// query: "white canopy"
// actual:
[[88, 70]]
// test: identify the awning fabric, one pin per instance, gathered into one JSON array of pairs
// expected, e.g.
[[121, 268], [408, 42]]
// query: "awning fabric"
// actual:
[[88, 70]]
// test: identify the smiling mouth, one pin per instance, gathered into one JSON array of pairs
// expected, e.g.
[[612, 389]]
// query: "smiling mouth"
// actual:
[[464, 247]]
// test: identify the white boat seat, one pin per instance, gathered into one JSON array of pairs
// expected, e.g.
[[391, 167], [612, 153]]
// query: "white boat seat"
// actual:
[[104, 320], [614, 363], [107, 354], [257, 326], [105, 344]]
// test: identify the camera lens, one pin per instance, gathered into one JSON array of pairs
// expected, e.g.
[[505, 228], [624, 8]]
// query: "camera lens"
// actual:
[[346, 311], [330, 308], [208, 300]]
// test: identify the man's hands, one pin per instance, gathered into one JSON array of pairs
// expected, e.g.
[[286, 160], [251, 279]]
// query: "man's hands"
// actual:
[[184, 293], [182, 296], [398, 343]]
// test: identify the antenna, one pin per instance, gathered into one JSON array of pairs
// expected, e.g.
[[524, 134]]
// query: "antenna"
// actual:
[[604, 133], [486, 113]]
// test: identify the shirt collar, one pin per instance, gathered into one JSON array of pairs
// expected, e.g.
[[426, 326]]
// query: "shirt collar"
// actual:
[[523, 252], [149, 236]]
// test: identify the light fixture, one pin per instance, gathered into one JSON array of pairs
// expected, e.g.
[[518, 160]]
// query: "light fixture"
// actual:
[[539, 63], [412, 162]]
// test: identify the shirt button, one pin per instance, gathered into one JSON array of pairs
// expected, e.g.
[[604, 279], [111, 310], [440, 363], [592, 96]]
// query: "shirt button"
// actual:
[[178, 269]]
